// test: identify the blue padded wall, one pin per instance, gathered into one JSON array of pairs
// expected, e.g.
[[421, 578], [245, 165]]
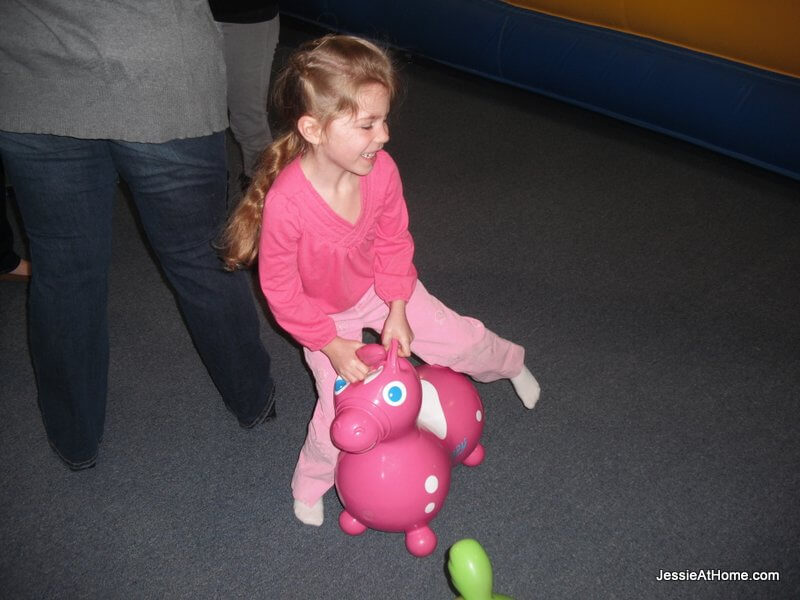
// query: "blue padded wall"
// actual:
[[735, 109]]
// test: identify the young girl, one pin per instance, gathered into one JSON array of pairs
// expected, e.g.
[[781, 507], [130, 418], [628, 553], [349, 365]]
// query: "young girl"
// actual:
[[335, 251]]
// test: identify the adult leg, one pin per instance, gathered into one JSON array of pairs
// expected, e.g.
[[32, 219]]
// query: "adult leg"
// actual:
[[249, 50], [65, 189], [179, 191]]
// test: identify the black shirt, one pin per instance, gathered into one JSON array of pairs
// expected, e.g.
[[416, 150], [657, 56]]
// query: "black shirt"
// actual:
[[243, 11]]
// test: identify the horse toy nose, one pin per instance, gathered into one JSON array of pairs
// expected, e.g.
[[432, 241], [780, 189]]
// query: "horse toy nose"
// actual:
[[355, 430]]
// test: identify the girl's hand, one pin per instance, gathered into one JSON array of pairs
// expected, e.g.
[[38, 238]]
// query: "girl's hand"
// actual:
[[342, 354], [397, 328]]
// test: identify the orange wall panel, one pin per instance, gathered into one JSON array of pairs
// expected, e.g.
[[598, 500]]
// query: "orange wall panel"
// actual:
[[762, 34]]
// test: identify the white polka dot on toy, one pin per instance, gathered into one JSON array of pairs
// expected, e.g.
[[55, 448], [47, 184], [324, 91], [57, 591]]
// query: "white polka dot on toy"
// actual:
[[478, 415], [429, 508], [431, 484]]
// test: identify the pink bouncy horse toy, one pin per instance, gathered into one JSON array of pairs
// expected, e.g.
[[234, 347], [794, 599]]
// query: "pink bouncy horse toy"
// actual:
[[401, 431]]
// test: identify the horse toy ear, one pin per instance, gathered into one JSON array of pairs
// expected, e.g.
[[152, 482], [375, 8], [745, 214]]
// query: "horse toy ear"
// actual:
[[371, 355], [374, 355]]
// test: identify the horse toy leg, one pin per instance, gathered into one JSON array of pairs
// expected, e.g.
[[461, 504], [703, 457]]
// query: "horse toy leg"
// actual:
[[350, 525], [421, 541]]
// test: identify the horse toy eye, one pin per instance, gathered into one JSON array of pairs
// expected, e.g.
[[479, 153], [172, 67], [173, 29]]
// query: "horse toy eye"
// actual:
[[394, 393], [339, 385]]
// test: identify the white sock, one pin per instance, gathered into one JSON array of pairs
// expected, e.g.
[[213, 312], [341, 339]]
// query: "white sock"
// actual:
[[527, 387], [310, 515]]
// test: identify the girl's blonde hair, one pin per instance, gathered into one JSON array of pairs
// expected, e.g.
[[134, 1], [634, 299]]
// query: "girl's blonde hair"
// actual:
[[321, 79]]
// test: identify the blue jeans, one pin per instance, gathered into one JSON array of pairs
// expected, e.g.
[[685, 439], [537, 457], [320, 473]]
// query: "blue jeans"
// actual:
[[65, 190]]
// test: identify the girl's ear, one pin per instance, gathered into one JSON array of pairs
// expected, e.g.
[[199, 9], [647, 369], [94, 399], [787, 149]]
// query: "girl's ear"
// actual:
[[310, 129]]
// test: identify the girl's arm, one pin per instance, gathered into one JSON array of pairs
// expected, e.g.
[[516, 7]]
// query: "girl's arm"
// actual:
[[395, 275], [280, 279], [396, 327]]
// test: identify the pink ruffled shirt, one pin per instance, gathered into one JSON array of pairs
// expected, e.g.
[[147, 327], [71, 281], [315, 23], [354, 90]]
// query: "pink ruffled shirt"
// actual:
[[313, 263]]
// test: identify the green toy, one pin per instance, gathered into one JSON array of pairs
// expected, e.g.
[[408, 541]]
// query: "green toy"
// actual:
[[471, 571]]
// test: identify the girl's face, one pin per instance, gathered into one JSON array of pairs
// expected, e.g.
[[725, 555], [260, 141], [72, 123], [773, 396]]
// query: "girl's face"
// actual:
[[351, 142]]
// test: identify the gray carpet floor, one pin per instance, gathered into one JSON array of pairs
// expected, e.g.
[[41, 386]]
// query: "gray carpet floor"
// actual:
[[655, 287]]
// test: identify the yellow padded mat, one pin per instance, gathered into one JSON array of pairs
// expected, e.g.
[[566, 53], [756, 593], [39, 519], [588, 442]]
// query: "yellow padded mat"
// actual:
[[763, 34]]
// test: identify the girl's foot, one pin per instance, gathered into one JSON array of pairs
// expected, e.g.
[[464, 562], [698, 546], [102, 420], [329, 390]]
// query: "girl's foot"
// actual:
[[527, 387], [310, 515]]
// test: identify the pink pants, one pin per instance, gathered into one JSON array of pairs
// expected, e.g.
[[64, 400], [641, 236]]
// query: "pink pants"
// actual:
[[441, 337]]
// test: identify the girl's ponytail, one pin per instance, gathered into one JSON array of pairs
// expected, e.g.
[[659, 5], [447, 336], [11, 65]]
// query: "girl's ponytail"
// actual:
[[240, 239]]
